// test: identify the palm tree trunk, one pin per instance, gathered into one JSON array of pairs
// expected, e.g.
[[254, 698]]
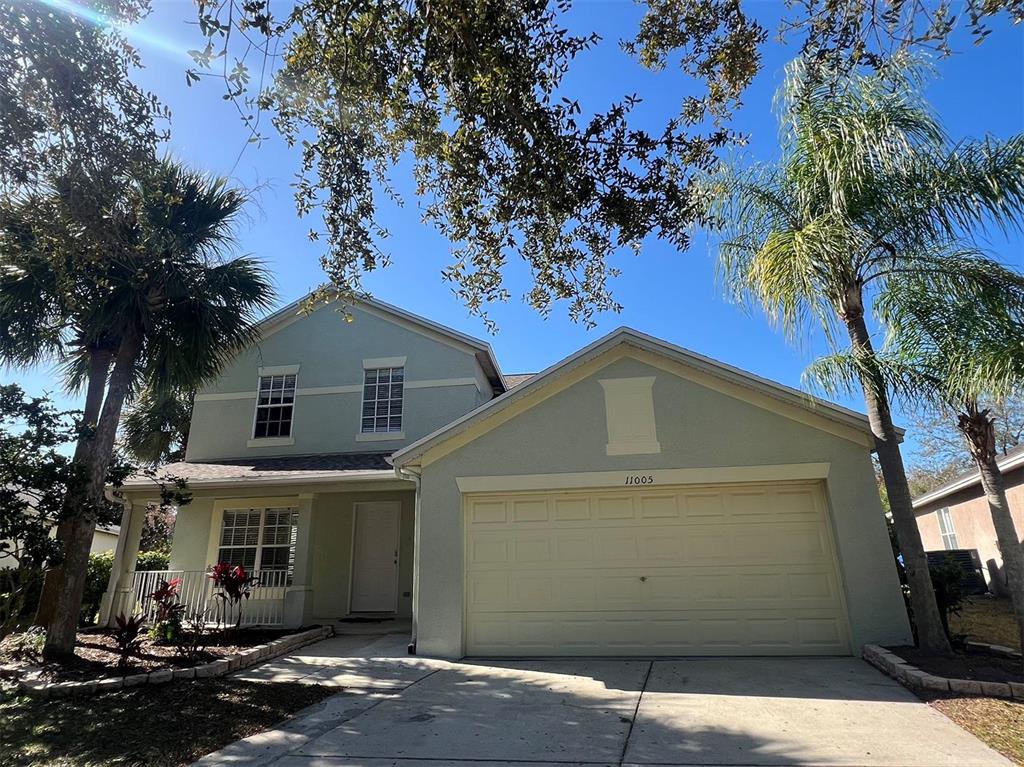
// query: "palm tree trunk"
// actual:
[[63, 625], [977, 427], [99, 367], [930, 635]]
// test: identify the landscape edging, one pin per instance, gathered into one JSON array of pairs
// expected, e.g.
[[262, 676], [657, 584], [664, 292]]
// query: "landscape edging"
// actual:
[[38, 688], [893, 665]]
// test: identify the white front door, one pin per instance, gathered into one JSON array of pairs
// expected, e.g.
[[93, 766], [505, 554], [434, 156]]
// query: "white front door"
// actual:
[[375, 557]]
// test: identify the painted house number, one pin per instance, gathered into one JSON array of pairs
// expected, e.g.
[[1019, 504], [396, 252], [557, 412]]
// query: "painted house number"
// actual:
[[639, 479]]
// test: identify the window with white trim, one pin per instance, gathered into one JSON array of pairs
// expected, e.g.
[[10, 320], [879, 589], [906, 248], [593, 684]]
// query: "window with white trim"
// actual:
[[383, 390], [946, 529], [259, 539], [275, 403]]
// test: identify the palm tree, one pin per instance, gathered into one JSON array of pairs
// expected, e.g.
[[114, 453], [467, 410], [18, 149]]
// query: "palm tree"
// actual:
[[167, 304], [866, 185], [155, 428], [956, 355]]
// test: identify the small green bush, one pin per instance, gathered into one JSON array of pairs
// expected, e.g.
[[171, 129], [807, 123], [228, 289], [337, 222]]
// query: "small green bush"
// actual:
[[948, 580], [97, 576], [153, 560]]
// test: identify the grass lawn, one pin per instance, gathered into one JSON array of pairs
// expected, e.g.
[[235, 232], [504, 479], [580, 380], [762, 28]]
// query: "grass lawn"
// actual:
[[987, 620], [998, 723], [157, 726]]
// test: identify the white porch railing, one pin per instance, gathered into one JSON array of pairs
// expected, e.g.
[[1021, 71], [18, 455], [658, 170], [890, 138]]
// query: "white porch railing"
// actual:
[[264, 607]]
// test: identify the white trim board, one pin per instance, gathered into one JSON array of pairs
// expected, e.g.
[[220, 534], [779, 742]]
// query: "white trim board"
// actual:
[[312, 391], [1006, 463], [715, 475]]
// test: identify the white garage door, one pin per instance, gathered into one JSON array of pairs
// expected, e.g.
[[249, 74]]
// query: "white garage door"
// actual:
[[695, 570]]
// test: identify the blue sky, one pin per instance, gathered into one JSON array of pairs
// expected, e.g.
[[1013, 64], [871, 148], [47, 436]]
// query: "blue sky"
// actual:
[[666, 293]]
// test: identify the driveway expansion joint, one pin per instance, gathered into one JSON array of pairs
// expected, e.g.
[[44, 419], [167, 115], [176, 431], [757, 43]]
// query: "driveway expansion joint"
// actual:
[[636, 713]]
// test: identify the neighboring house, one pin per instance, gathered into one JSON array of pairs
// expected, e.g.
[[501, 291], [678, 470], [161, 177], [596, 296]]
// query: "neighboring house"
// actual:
[[635, 498], [104, 539], [956, 516]]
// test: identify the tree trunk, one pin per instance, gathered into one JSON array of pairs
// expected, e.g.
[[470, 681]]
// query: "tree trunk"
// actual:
[[63, 624], [978, 428], [99, 367], [930, 635]]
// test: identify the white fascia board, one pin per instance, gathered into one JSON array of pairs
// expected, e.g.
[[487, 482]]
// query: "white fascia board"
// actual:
[[1008, 464]]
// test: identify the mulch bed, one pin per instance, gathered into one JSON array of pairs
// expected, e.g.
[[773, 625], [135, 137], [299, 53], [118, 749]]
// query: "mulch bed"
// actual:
[[96, 654], [153, 725], [964, 665]]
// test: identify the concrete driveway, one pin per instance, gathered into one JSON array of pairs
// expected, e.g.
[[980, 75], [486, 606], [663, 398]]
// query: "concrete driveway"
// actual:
[[411, 712]]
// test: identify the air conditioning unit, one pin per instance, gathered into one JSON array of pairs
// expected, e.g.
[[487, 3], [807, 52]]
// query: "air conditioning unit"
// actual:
[[970, 563]]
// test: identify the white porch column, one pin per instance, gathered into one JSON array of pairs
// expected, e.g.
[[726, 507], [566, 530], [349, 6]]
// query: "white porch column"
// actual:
[[298, 598], [119, 596]]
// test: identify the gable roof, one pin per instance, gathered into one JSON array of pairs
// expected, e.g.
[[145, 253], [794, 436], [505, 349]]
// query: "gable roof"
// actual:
[[286, 315], [1012, 460], [629, 336]]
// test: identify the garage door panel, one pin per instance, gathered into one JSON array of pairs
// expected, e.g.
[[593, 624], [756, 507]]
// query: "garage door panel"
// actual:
[[764, 543], [692, 570], [679, 588], [632, 633]]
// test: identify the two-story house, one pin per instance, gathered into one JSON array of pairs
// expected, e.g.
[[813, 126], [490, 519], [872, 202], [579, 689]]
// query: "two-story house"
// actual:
[[635, 498]]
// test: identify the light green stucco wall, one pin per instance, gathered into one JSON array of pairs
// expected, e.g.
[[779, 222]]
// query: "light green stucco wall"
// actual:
[[697, 428], [332, 538], [330, 353], [192, 535]]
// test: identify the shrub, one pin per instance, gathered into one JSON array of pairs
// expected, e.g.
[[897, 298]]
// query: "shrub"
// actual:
[[97, 576], [153, 560], [192, 641], [167, 621], [948, 580], [26, 645], [127, 636]]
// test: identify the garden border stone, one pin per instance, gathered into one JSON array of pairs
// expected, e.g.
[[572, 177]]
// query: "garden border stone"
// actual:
[[890, 664], [30, 684]]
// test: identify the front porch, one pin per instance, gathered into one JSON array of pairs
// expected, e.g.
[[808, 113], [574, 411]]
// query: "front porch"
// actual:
[[332, 549]]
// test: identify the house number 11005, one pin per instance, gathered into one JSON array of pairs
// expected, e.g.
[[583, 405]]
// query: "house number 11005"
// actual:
[[639, 479]]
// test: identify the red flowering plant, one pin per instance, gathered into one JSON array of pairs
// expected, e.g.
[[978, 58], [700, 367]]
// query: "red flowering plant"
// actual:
[[169, 610], [235, 584]]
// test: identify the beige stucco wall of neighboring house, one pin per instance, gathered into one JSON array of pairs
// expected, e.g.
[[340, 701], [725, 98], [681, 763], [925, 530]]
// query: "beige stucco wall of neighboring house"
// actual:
[[198, 524], [972, 523], [442, 382], [697, 427], [103, 540]]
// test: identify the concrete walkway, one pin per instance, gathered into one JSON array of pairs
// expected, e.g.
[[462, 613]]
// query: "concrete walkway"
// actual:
[[415, 712]]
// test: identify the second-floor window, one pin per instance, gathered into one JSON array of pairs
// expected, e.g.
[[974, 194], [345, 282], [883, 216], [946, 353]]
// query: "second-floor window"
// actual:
[[382, 399], [274, 405], [946, 529]]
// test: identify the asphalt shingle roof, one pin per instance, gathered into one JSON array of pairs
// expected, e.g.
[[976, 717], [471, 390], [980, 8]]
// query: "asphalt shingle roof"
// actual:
[[513, 380], [282, 467]]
